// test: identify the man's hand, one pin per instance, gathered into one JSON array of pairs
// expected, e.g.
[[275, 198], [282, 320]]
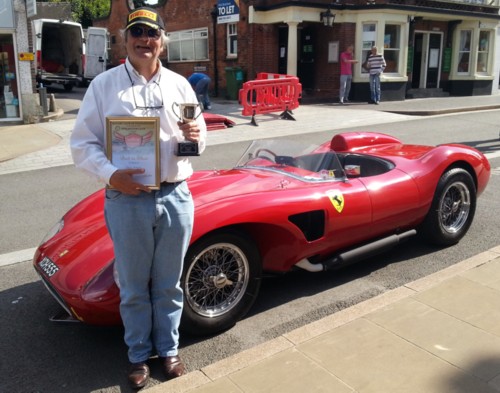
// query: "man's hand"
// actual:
[[122, 180], [190, 130]]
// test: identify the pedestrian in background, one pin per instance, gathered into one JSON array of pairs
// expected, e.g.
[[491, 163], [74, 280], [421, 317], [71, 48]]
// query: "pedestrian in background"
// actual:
[[375, 64], [150, 229], [346, 62], [200, 83]]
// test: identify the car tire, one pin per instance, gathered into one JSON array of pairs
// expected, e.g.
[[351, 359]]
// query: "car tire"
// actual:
[[221, 280], [452, 209]]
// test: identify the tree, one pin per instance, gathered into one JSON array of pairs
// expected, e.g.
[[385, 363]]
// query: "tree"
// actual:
[[85, 11]]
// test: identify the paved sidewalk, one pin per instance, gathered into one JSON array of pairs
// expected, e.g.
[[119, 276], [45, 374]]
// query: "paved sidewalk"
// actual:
[[439, 334], [309, 118]]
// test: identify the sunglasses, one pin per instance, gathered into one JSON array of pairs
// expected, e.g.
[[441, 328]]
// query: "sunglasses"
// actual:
[[139, 31]]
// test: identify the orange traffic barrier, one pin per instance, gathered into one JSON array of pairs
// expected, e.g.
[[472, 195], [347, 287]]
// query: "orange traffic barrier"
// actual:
[[270, 93]]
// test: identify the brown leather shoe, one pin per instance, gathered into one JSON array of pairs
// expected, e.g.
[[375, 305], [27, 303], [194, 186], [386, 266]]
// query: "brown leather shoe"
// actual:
[[173, 367], [138, 375]]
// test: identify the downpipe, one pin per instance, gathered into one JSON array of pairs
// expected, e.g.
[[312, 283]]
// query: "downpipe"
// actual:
[[357, 254]]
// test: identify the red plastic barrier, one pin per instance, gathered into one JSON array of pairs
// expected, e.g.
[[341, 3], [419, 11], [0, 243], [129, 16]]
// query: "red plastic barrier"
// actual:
[[268, 75], [270, 93]]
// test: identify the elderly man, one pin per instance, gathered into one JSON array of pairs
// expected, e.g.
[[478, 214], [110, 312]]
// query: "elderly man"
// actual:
[[376, 66], [150, 228]]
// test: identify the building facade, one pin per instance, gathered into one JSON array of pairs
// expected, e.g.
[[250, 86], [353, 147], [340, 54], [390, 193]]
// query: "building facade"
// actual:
[[430, 46]]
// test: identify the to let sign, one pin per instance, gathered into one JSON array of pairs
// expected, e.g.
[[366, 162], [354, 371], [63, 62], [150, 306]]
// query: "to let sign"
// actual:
[[228, 11]]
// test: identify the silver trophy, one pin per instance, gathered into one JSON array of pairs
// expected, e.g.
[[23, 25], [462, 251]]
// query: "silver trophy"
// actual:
[[187, 113]]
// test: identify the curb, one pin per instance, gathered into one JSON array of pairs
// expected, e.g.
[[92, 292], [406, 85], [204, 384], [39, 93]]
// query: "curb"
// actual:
[[52, 115], [252, 356], [435, 112]]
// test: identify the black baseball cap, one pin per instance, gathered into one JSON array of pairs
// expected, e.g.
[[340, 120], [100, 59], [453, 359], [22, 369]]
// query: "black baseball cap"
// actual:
[[145, 16]]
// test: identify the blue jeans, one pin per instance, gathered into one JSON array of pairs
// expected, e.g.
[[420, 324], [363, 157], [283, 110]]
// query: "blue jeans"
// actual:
[[345, 87], [201, 90], [375, 87], [150, 233]]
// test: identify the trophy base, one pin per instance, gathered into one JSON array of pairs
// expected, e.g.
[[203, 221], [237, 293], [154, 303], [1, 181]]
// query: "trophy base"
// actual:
[[187, 149]]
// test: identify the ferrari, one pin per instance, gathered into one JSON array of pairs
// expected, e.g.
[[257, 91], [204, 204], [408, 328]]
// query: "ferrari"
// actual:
[[284, 206]]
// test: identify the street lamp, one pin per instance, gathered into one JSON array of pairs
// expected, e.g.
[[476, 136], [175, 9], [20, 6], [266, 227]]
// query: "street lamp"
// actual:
[[327, 17]]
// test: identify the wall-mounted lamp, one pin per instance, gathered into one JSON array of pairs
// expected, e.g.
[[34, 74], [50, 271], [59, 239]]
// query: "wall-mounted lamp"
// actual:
[[327, 17], [411, 19], [480, 25]]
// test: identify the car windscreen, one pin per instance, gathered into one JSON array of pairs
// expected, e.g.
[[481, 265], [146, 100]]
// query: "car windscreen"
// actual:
[[295, 159]]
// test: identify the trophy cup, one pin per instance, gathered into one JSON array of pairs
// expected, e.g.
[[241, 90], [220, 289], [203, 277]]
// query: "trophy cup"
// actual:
[[187, 114]]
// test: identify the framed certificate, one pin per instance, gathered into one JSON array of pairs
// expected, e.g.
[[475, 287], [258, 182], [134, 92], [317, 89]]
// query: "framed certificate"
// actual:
[[134, 142]]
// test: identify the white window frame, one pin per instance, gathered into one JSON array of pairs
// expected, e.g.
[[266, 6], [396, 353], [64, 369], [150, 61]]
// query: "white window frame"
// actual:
[[464, 50], [396, 49], [484, 51], [194, 42], [368, 39], [232, 40]]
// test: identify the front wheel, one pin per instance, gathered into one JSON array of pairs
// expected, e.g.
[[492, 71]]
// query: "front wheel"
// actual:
[[221, 280], [452, 209]]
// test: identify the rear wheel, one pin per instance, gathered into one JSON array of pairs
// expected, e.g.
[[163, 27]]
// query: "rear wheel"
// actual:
[[452, 209], [221, 280]]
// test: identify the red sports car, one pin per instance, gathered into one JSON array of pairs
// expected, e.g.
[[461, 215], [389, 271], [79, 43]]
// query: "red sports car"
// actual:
[[283, 206]]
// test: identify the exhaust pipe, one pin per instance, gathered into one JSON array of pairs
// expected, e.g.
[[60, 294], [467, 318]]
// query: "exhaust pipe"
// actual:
[[357, 254]]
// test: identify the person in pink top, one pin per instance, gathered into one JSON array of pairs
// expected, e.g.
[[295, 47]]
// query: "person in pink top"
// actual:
[[346, 62]]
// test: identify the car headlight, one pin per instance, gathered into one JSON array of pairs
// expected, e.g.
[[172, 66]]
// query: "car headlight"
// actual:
[[102, 287], [53, 231]]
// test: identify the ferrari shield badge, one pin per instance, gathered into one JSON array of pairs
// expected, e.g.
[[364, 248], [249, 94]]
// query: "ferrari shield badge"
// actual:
[[337, 200]]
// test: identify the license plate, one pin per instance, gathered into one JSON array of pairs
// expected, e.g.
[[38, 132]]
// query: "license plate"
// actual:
[[48, 267]]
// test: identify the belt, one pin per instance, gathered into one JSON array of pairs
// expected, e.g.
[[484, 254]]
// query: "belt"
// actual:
[[166, 183]]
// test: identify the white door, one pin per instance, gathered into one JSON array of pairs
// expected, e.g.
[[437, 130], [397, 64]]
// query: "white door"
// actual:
[[427, 54], [96, 52]]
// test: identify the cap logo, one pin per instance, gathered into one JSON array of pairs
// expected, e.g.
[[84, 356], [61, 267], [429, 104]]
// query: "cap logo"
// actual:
[[143, 14]]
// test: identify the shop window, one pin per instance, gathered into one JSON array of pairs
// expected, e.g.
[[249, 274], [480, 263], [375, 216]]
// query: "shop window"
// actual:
[[188, 45], [232, 40], [369, 37], [483, 52], [392, 47], [464, 52], [9, 100]]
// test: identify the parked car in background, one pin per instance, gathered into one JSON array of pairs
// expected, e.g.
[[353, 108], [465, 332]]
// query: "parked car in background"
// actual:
[[285, 205]]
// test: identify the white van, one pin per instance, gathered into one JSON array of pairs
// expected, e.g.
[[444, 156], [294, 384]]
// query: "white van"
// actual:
[[96, 48], [59, 52]]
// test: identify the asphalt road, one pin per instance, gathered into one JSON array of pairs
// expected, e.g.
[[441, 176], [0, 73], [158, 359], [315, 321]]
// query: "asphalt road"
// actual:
[[40, 356]]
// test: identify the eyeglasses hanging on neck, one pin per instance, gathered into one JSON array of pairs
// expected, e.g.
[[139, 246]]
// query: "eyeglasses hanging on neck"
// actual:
[[133, 93]]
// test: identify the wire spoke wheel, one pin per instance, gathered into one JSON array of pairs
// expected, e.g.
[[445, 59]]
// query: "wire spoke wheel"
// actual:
[[221, 280], [454, 207], [452, 210], [217, 280]]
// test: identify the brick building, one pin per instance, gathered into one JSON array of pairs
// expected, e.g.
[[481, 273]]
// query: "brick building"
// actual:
[[431, 47]]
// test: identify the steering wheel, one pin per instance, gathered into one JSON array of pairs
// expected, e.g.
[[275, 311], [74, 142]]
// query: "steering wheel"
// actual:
[[258, 152]]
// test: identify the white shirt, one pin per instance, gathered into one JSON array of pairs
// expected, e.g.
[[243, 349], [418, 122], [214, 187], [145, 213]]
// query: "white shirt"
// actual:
[[110, 94]]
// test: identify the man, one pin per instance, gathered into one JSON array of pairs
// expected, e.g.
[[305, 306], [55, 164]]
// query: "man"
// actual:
[[150, 229], [346, 62], [200, 83], [375, 65]]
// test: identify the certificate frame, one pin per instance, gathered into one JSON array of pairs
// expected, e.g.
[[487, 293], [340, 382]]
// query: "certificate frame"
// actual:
[[134, 142]]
